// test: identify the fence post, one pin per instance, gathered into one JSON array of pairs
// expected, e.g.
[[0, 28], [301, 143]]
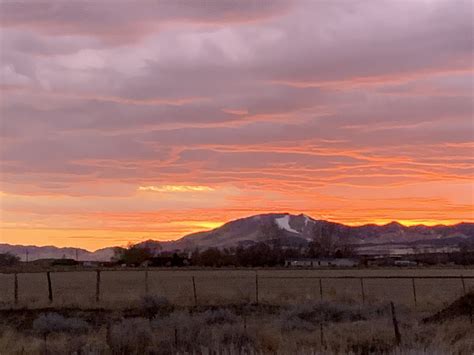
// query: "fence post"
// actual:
[[398, 337], [194, 291], [176, 338], [470, 312], [321, 335], [50, 287], [362, 289], [321, 289], [463, 285], [97, 286], [15, 288], [414, 289], [256, 287]]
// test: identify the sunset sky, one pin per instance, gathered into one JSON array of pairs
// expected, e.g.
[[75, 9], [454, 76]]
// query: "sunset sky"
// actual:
[[128, 120]]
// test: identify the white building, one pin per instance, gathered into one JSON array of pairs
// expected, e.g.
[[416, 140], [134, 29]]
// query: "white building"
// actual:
[[321, 262]]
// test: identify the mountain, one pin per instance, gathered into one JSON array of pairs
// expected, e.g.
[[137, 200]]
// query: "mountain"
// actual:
[[298, 230], [51, 252], [244, 231], [293, 230]]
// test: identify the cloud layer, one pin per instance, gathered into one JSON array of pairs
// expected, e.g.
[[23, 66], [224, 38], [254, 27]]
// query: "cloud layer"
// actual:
[[355, 111]]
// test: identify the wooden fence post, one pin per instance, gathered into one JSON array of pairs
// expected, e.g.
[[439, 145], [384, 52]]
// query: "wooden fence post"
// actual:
[[362, 289], [97, 286], [50, 287], [176, 338], [194, 291], [414, 290], [463, 285], [321, 335], [470, 313], [256, 288], [15, 288], [321, 289], [398, 337]]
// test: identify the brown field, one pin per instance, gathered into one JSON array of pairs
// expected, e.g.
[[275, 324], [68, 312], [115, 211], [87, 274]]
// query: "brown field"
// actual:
[[224, 317], [121, 288]]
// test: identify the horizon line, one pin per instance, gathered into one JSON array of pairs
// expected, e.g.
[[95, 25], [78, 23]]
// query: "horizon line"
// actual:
[[380, 224]]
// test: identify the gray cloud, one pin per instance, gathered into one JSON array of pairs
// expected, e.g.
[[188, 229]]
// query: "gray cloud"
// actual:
[[173, 83], [121, 21]]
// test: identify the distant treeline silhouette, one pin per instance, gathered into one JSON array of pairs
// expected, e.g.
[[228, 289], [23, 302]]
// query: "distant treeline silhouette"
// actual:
[[258, 255]]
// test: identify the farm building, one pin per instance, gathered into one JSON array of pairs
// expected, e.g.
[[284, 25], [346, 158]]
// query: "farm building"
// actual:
[[167, 260], [321, 262], [90, 264], [405, 263]]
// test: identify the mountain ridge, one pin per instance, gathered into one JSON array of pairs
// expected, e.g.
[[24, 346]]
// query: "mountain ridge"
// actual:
[[294, 230]]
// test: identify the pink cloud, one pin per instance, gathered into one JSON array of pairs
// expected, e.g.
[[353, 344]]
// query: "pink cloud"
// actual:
[[302, 105]]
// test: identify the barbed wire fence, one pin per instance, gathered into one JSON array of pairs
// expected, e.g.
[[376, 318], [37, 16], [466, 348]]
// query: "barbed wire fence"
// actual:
[[255, 294]]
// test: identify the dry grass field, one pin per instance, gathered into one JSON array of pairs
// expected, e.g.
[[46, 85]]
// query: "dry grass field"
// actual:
[[123, 288], [156, 327], [163, 312]]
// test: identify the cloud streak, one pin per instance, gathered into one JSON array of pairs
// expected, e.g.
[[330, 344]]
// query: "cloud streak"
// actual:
[[157, 120], [175, 188]]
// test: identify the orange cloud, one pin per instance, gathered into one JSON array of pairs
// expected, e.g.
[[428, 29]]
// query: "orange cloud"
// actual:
[[175, 188], [123, 123]]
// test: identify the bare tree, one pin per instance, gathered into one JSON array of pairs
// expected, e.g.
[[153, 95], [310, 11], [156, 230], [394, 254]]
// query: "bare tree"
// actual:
[[8, 259], [133, 255], [324, 240]]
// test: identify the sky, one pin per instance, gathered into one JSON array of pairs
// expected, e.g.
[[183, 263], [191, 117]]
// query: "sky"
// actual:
[[128, 120]]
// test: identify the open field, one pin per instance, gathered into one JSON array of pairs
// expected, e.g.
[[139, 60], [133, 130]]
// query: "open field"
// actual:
[[157, 327], [186, 311], [423, 288]]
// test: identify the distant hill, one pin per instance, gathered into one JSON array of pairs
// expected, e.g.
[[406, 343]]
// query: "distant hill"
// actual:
[[295, 230], [51, 252]]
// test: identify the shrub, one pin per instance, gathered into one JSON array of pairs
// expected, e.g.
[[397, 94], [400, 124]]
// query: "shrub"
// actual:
[[203, 328], [219, 316], [153, 305], [130, 336], [56, 323], [308, 316], [371, 346], [235, 335], [296, 323], [187, 329]]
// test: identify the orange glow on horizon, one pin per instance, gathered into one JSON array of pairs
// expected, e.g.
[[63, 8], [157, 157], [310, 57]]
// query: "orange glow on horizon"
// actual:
[[154, 127], [93, 239]]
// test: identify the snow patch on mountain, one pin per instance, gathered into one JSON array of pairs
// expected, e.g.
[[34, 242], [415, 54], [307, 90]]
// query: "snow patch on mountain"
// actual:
[[306, 220], [284, 223]]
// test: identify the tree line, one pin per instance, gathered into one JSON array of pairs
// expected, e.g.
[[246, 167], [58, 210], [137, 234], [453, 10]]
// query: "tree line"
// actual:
[[9, 259]]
